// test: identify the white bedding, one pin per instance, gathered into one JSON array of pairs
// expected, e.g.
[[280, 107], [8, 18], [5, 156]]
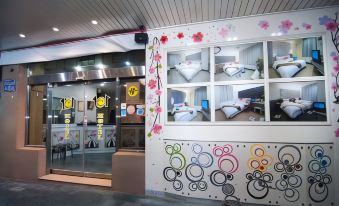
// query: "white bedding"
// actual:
[[294, 109], [232, 69], [288, 71], [184, 113], [188, 69], [232, 108]]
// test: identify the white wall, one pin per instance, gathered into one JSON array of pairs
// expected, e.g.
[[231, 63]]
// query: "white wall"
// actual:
[[246, 30]]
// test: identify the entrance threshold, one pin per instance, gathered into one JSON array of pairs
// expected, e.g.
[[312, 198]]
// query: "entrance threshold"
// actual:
[[78, 180]]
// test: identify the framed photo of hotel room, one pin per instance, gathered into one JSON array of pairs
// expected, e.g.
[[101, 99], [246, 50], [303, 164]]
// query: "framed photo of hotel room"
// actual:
[[188, 104], [188, 66], [243, 61], [297, 57]]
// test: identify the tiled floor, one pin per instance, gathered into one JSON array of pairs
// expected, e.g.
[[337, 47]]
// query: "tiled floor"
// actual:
[[43, 193]]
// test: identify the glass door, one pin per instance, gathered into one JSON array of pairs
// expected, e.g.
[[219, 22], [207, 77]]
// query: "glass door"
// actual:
[[66, 125], [100, 137]]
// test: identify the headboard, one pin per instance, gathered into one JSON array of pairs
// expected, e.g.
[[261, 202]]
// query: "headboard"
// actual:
[[256, 92], [287, 93], [194, 57], [224, 59]]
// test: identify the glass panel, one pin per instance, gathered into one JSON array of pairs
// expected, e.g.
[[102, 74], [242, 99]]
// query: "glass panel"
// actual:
[[239, 62], [100, 136], [132, 114], [240, 102], [67, 112], [37, 115], [188, 104], [188, 66], [296, 58], [298, 101]]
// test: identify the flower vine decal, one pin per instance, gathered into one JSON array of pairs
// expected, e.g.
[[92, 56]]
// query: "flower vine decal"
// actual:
[[332, 26], [285, 26], [198, 37], [264, 24], [223, 32], [180, 35], [164, 39], [307, 26], [155, 85]]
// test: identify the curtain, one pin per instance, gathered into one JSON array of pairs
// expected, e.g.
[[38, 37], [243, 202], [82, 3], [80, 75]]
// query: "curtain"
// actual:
[[174, 97], [310, 92], [199, 94], [251, 54], [223, 94], [309, 44]]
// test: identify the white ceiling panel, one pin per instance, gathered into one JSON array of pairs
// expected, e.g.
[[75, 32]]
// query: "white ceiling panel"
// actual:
[[35, 18]]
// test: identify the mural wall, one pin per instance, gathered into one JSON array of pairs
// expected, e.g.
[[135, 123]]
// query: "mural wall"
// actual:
[[278, 164], [278, 174]]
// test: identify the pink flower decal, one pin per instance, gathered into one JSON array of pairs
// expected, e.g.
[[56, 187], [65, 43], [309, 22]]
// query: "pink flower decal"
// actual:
[[336, 68], [157, 57], [335, 58], [197, 37], [158, 92], [264, 24], [307, 26], [337, 132], [152, 83], [223, 32], [158, 109], [331, 26], [164, 39], [334, 87], [285, 26], [150, 97], [157, 128], [180, 35], [151, 70]]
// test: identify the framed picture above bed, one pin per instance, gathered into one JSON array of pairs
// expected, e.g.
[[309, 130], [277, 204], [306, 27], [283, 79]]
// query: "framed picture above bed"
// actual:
[[239, 62], [188, 104], [299, 57], [188, 66]]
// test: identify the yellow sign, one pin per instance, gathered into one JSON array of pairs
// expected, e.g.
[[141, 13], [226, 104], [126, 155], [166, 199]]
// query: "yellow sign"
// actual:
[[101, 102], [133, 91], [67, 103]]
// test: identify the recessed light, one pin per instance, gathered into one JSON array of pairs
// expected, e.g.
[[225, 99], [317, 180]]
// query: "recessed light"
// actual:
[[127, 63], [78, 68], [94, 22], [100, 66], [55, 29], [22, 35]]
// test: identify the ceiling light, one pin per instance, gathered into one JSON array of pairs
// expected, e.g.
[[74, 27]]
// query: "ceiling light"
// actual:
[[127, 63], [94, 22], [55, 29], [78, 68], [22, 35], [100, 66], [102, 84]]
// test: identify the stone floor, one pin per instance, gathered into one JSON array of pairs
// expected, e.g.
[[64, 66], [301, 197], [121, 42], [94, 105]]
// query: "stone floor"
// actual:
[[43, 193]]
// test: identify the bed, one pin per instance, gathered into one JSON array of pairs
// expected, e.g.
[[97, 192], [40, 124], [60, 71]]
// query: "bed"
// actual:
[[183, 113], [231, 68], [287, 67], [232, 108], [295, 108], [189, 69]]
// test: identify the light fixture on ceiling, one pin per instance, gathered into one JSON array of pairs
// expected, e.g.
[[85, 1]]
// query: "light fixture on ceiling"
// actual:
[[22, 35], [102, 84], [78, 68], [55, 29], [100, 66], [94, 22], [128, 63]]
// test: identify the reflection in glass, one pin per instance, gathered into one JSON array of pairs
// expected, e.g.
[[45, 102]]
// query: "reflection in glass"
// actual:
[[188, 66], [298, 101], [240, 103], [239, 62], [296, 58], [188, 104]]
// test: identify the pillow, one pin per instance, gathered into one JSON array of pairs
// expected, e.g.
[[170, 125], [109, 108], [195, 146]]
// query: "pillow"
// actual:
[[292, 100], [279, 58], [219, 66], [255, 75]]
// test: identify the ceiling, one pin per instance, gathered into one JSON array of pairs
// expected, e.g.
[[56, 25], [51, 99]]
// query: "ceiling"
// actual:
[[35, 18]]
